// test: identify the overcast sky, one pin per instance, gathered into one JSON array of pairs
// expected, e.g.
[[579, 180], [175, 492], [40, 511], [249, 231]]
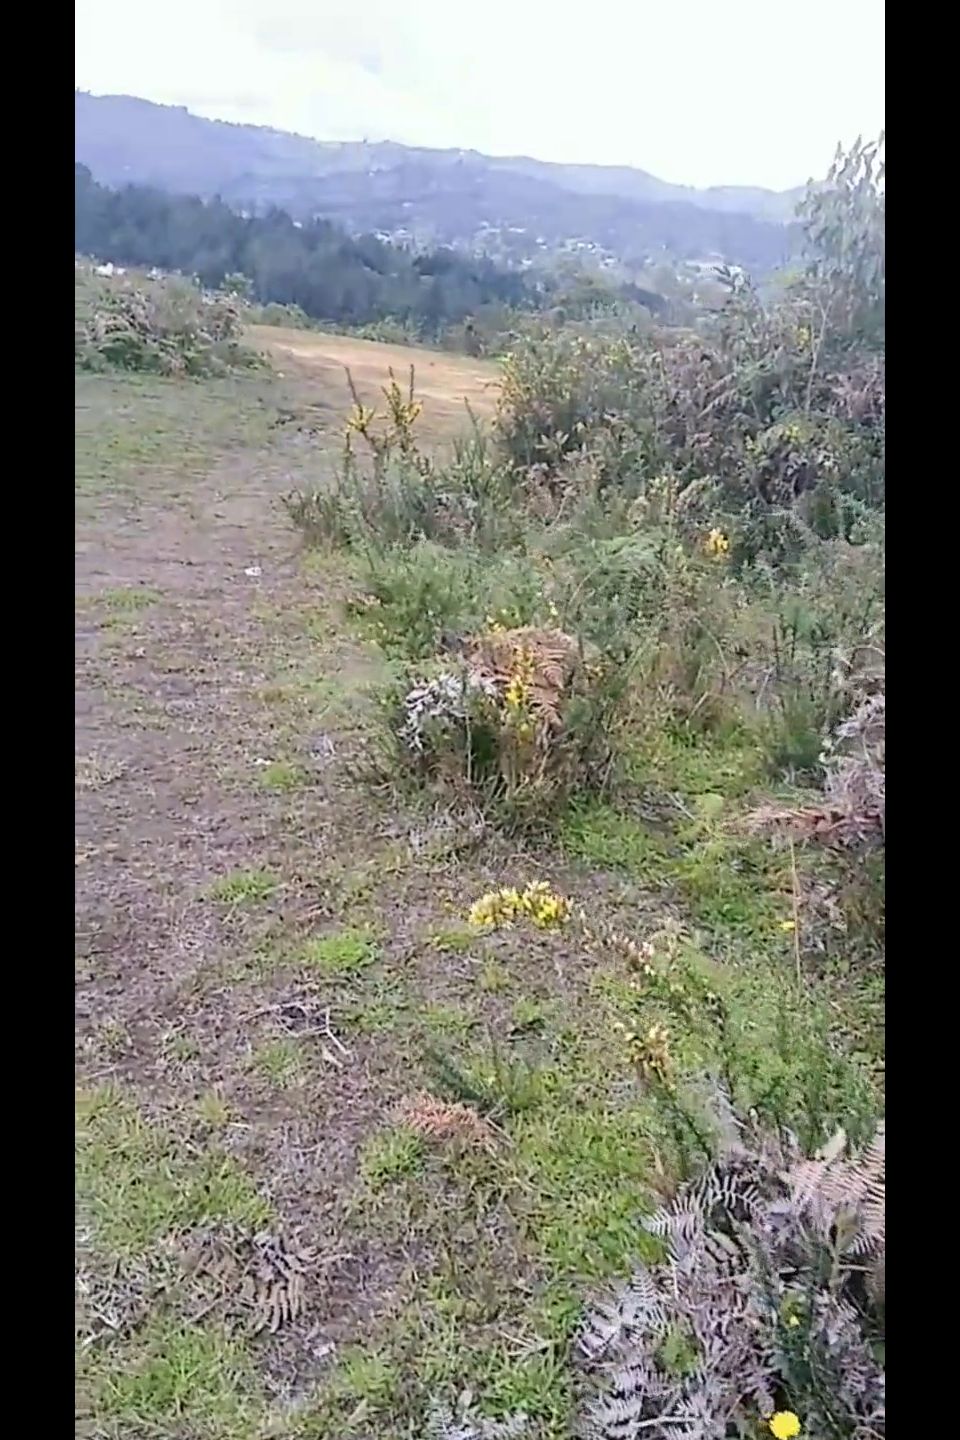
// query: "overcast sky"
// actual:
[[695, 91]]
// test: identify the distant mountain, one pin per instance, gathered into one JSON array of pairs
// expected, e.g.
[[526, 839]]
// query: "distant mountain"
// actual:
[[513, 208]]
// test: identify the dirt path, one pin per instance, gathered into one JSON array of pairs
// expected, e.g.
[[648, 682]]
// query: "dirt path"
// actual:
[[208, 783], [265, 949], [443, 382]]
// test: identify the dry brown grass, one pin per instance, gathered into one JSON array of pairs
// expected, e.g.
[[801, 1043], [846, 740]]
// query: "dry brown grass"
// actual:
[[443, 382]]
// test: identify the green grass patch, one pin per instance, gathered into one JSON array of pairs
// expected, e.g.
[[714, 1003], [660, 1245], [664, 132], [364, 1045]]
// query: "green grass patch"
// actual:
[[587, 1170], [346, 953], [390, 1155], [138, 1181], [193, 1380], [600, 835], [243, 887]]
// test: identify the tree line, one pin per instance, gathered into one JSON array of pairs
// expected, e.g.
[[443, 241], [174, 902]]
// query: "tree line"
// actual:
[[330, 274]]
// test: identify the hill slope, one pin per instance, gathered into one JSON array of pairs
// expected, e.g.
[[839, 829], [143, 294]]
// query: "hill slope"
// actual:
[[512, 207]]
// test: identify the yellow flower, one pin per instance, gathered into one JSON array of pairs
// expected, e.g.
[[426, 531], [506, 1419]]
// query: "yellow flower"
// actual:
[[537, 902], [788, 925], [784, 1425], [516, 693], [717, 544]]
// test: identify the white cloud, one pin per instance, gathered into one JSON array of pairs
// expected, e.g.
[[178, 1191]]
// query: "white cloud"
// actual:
[[697, 93]]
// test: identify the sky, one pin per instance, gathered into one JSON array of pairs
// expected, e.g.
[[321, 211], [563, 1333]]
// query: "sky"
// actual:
[[751, 92]]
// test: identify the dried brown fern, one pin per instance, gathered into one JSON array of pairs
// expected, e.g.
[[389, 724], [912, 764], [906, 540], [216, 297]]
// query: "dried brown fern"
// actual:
[[759, 1280], [546, 660], [443, 1120]]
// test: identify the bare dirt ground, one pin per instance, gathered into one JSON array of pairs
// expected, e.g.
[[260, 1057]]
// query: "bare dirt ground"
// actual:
[[443, 382]]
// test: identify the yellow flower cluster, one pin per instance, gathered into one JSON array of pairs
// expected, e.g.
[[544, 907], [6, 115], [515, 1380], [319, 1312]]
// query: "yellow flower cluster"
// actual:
[[717, 544], [784, 1425], [361, 418], [517, 693], [536, 902]]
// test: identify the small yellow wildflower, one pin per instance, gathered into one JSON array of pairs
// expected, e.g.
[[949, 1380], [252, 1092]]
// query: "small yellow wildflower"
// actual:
[[784, 1425], [717, 544], [788, 925], [536, 902], [516, 693], [360, 419]]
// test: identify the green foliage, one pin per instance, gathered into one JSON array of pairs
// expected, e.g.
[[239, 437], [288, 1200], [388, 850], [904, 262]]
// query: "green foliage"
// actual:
[[844, 223], [316, 267], [386, 492]]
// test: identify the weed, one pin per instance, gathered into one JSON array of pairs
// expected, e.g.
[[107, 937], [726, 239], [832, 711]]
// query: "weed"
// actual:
[[243, 887], [367, 1377], [447, 1020], [453, 941], [493, 977], [282, 775], [213, 1109], [495, 1083], [280, 1062], [346, 953], [527, 1014], [130, 600], [180, 1048], [390, 1155]]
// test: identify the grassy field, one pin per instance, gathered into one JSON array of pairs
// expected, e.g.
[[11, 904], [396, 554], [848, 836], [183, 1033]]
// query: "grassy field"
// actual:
[[281, 1231]]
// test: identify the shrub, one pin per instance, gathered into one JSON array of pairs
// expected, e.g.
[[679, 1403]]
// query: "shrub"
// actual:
[[290, 317], [562, 393], [518, 721], [386, 491], [423, 599], [168, 330]]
